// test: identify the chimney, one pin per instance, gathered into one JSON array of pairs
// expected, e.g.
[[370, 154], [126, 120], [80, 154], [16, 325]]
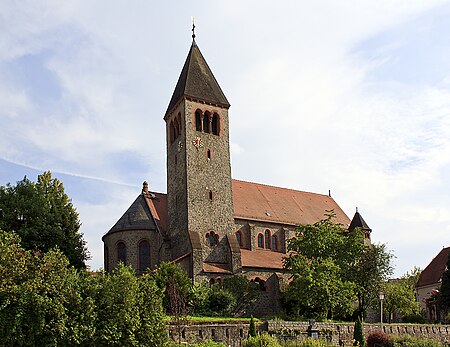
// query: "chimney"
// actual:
[[145, 187]]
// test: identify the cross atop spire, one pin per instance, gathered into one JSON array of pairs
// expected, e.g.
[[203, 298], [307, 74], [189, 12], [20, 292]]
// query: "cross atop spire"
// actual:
[[193, 28]]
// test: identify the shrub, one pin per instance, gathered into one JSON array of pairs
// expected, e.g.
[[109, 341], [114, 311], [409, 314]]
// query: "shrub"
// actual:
[[358, 335], [409, 341], [264, 340], [252, 329], [306, 343], [209, 343], [378, 339], [413, 318]]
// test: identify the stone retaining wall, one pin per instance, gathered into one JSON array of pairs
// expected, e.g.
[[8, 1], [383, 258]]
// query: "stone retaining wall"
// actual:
[[340, 334]]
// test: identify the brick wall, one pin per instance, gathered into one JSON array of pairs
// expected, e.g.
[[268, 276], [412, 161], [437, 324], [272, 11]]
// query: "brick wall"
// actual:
[[232, 333]]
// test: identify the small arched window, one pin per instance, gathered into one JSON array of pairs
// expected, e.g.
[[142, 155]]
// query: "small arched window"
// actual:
[[260, 282], [212, 238], [274, 243], [198, 120], [215, 124], [144, 256], [267, 238], [206, 122], [239, 238], [171, 132], [180, 126], [212, 281], [176, 125], [260, 241], [121, 252], [210, 195]]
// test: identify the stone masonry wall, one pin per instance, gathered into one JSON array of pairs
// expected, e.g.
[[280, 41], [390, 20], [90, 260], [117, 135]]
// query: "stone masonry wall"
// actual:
[[339, 334]]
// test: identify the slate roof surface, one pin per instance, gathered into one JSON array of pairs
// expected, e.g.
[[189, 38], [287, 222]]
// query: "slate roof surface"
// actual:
[[197, 81], [137, 217], [358, 222], [261, 258], [433, 272], [261, 202]]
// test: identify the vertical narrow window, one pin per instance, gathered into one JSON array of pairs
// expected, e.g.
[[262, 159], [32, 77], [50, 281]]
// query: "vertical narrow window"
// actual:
[[121, 252], [176, 129], [206, 122], [210, 194], [106, 259], [267, 238], [260, 241], [144, 256], [198, 120], [179, 123], [239, 238], [176, 159], [274, 243], [208, 154], [215, 124], [171, 132]]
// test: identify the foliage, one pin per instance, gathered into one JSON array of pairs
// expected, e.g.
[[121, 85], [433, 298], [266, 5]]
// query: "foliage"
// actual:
[[252, 329], [400, 297], [358, 335], [220, 300], [321, 258], [245, 293], [378, 339], [171, 279], [209, 343], [46, 302], [445, 287], [409, 341], [309, 342], [263, 340], [44, 217], [369, 274]]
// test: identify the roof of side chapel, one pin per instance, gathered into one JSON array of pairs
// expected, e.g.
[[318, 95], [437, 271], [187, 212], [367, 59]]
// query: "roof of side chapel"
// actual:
[[197, 81], [433, 272]]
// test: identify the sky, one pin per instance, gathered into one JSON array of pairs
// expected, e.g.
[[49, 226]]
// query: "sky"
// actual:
[[350, 96]]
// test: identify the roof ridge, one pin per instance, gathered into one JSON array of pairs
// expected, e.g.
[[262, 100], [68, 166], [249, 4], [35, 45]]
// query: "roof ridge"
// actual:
[[290, 189]]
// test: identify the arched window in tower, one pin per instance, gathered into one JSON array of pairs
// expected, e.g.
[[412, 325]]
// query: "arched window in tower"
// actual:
[[121, 252], [239, 238], [198, 120], [180, 124], [215, 124], [206, 122], [171, 132], [267, 238], [260, 241], [210, 195], [144, 256], [274, 243], [212, 238], [176, 125]]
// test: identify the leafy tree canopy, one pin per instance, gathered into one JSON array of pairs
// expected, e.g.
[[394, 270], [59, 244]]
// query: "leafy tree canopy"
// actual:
[[43, 216], [331, 268]]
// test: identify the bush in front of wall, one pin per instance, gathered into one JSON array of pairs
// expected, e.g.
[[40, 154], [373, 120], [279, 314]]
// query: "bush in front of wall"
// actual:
[[378, 339]]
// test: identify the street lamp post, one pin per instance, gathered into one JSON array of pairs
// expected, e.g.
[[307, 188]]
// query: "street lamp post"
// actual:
[[381, 311]]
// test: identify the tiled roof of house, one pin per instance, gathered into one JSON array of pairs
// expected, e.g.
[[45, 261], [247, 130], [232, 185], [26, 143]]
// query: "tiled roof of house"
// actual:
[[281, 205], [262, 258], [197, 81], [157, 203], [433, 272], [216, 268]]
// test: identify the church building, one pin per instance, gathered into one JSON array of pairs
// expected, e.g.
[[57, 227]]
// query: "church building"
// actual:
[[213, 226]]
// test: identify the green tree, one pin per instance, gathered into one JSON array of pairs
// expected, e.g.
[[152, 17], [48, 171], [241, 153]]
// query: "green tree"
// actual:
[[321, 257], [43, 216], [41, 301], [399, 297], [252, 329], [444, 296], [370, 271], [245, 293]]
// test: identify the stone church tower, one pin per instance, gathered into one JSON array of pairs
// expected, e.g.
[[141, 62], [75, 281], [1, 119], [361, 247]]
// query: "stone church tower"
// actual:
[[199, 194]]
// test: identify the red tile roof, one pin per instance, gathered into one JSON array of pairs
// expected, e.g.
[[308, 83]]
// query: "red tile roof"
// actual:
[[281, 205], [259, 202], [216, 268], [433, 272], [262, 258]]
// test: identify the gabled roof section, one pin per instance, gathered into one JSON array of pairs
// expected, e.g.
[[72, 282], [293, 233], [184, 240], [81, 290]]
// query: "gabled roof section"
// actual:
[[261, 258], [137, 217], [358, 222], [433, 272], [253, 201], [197, 81]]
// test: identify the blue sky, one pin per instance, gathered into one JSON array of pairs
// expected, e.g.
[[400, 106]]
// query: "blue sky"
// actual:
[[351, 96]]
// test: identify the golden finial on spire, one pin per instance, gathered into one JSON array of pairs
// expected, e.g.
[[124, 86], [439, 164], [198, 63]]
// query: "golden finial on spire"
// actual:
[[193, 27]]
